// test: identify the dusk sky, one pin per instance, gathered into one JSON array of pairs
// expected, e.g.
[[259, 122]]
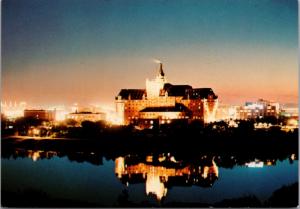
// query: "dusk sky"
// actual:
[[66, 51]]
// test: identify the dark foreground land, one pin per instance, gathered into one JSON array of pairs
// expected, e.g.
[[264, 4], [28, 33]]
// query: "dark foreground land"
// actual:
[[286, 196]]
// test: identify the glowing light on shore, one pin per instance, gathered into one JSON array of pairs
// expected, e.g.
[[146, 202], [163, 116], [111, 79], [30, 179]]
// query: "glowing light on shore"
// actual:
[[61, 115], [13, 111], [36, 131], [210, 114], [113, 118], [292, 122]]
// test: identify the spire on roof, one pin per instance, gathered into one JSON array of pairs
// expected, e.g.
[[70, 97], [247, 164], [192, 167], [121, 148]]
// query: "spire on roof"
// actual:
[[161, 72]]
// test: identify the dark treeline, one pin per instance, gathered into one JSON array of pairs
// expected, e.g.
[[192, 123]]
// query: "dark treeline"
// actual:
[[180, 138], [96, 130], [95, 151]]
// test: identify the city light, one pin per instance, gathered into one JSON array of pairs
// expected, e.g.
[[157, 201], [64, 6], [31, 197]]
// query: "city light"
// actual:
[[292, 122], [13, 110]]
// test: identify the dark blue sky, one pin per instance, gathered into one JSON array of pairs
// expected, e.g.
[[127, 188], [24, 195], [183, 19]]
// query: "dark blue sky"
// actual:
[[72, 50]]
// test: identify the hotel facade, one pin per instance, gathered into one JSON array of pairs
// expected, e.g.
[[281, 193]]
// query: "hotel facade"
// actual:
[[162, 102]]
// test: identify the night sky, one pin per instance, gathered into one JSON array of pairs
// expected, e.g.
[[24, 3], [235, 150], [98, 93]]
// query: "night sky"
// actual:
[[66, 51]]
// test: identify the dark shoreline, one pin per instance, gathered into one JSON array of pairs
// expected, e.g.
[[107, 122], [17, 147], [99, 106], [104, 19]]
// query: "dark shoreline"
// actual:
[[255, 145]]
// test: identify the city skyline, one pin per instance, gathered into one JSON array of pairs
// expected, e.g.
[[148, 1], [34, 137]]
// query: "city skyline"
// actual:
[[61, 52]]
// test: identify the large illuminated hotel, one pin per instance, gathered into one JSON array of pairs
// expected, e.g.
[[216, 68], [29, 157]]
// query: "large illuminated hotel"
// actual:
[[162, 102]]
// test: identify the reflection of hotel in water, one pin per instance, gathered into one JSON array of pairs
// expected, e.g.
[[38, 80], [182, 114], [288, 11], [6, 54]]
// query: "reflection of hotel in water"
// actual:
[[165, 102], [164, 172], [160, 172]]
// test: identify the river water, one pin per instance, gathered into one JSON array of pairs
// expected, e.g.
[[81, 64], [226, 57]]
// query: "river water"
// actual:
[[156, 179]]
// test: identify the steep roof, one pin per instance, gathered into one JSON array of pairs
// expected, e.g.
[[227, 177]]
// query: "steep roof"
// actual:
[[135, 94], [202, 93], [177, 90], [188, 91], [184, 91]]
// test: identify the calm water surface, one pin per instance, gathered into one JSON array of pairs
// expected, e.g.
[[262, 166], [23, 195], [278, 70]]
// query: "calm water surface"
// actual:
[[162, 178]]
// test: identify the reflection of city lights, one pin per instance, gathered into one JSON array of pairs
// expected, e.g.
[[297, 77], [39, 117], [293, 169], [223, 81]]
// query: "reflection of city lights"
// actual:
[[154, 185], [162, 158], [215, 169], [269, 163], [149, 159], [119, 167], [293, 157], [34, 155], [255, 164], [157, 176], [210, 170], [205, 172], [173, 159]]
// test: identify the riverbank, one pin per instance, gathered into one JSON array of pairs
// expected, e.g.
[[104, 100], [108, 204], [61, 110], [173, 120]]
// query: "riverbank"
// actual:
[[254, 144]]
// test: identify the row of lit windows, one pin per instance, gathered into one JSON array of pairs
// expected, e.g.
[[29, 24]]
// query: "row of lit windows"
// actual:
[[249, 111], [132, 118], [154, 115]]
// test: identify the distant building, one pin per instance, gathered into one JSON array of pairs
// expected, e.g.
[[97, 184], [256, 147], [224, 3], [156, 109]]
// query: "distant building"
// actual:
[[260, 109], [165, 102], [48, 115], [87, 116], [13, 110], [227, 112], [289, 112]]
